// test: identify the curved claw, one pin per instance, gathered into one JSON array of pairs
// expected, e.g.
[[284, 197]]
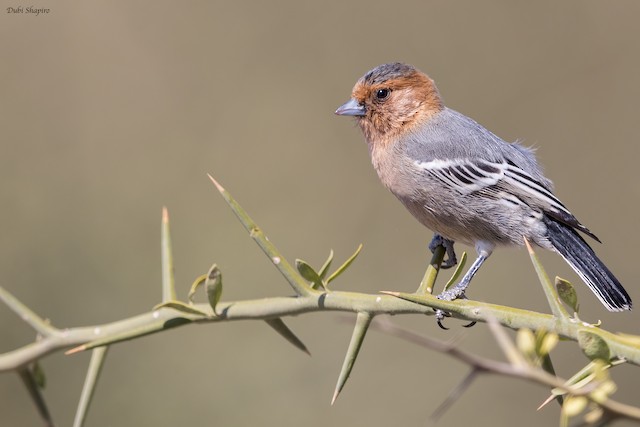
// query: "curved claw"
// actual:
[[439, 322], [440, 315], [470, 324]]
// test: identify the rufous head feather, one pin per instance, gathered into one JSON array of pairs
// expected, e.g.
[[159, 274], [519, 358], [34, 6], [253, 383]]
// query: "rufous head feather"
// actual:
[[390, 99]]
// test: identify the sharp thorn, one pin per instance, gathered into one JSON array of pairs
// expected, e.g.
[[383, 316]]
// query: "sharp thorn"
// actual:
[[218, 186], [76, 350]]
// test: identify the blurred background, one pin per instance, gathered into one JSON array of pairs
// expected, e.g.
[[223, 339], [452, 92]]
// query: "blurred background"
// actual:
[[110, 110]]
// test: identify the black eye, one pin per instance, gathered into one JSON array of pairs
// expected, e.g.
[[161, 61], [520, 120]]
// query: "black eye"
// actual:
[[382, 93]]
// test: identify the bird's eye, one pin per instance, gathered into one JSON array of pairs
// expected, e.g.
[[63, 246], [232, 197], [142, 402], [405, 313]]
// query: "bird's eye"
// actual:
[[382, 94]]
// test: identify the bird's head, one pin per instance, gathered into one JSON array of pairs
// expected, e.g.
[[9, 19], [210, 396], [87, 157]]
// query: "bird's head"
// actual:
[[390, 99]]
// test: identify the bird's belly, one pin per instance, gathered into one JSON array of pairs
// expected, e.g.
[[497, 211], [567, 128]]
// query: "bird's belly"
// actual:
[[468, 220]]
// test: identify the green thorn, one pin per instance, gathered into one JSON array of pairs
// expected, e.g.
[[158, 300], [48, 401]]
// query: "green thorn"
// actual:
[[363, 320], [168, 280], [281, 328], [431, 274], [148, 329], [36, 322], [581, 378], [458, 272], [344, 266], [290, 274], [549, 290], [91, 380], [36, 395], [547, 365]]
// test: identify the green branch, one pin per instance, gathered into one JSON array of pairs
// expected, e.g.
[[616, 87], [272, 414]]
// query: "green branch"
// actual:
[[267, 308], [538, 332]]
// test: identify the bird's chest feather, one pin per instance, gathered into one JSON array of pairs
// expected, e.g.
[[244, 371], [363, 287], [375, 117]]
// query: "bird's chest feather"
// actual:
[[394, 168]]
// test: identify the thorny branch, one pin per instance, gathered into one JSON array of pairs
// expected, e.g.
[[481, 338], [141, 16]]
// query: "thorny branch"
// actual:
[[312, 294]]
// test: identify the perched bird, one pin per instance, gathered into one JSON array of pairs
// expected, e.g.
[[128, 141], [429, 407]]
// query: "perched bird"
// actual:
[[465, 183]]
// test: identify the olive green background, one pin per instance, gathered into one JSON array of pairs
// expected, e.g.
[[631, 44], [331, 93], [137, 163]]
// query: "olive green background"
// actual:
[[110, 110]]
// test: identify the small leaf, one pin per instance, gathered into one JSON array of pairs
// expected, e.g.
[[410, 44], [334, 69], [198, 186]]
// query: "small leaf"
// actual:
[[309, 274], [325, 267], [180, 306], [195, 285], [567, 294], [593, 346], [547, 343], [594, 416], [526, 341], [573, 405], [603, 391], [458, 272], [38, 374], [213, 285], [344, 266]]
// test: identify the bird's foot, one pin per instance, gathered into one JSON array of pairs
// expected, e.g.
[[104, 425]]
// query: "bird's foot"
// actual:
[[447, 244], [440, 315], [449, 295]]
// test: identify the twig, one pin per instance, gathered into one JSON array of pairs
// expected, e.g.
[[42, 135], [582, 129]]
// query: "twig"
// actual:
[[483, 365]]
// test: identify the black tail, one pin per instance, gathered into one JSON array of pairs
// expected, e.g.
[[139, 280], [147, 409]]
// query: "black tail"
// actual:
[[584, 261]]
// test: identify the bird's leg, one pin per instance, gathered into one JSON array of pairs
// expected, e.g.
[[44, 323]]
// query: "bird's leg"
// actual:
[[484, 251], [458, 290], [447, 244]]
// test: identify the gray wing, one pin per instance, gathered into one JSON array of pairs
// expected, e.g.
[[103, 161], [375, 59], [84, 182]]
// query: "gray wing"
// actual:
[[469, 159], [499, 180]]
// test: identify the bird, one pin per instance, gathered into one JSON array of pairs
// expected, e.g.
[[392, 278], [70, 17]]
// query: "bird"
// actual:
[[465, 183]]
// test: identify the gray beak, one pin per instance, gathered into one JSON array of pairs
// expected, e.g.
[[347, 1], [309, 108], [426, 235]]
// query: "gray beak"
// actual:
[[351, 108]]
